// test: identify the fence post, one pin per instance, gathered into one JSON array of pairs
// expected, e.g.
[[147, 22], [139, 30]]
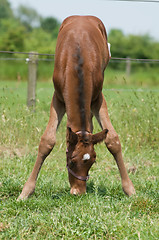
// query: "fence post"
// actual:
[[128, 67], [32, 76]]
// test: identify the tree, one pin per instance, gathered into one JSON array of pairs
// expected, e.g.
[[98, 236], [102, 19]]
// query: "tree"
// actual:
[[28, 17], [50, 25], [10, 39], [133, 46], [5, 10], [139, 46], [117, 40]]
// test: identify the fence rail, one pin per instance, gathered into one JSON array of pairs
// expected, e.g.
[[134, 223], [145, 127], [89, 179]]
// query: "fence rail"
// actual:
[[113, 59], [32, 59], [25, 59], [27, 53]]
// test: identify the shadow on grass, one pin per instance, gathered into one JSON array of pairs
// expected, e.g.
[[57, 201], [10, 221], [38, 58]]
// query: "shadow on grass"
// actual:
[[13, 188], [102, 190], [93, 189]]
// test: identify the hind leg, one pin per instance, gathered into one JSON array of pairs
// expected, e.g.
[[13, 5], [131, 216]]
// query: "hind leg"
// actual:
[[113, 143], [48, 139]]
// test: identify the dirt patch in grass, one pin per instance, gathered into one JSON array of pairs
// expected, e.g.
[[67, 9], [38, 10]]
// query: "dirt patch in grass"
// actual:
[[13, 152]]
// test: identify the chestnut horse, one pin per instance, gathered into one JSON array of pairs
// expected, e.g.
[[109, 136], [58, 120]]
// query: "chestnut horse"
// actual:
[[80, 60]]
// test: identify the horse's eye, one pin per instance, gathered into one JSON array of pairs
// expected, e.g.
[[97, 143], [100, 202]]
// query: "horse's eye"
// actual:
[[72, 163]]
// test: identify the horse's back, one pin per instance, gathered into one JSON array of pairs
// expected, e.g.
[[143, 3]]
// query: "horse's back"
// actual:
[[84, 36], [88, 32]]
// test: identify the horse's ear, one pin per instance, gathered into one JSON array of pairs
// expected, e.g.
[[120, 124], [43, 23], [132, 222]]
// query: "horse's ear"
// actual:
[[72, 137], [99, 137]]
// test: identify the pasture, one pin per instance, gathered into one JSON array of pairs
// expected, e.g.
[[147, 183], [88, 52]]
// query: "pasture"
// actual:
[[104, 212]]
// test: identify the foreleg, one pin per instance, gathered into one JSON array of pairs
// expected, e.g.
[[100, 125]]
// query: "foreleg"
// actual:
[[48, 139], [113, 143]]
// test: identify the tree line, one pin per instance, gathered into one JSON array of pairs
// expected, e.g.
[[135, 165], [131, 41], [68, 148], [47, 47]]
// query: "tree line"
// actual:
[[26, 30]]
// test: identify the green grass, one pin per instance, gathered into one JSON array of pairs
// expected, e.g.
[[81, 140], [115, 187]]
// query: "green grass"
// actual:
[[141, 76], [11, 69], [104, 212]]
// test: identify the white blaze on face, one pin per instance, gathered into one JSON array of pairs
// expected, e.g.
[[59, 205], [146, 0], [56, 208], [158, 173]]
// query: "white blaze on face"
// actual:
[[86, 157], [109, 49]]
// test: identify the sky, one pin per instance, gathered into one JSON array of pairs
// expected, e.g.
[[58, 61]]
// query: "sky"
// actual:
[[131, 17]]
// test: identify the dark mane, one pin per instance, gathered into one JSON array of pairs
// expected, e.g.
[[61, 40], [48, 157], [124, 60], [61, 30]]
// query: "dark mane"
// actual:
[[81, 94]]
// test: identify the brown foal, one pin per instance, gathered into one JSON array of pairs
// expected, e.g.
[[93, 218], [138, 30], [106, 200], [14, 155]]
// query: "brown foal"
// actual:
[[80, 60]]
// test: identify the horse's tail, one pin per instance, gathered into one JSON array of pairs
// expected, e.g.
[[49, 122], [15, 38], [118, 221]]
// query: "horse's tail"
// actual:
[[81, 93]]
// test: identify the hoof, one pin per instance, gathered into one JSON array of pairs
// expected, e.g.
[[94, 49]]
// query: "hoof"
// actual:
[[21, 197], [75, 191], [27, 191], [128, 188], [24, 196]]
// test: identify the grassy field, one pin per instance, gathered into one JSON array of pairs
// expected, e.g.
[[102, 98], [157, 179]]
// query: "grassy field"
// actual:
[[141, 76], [104, 212]]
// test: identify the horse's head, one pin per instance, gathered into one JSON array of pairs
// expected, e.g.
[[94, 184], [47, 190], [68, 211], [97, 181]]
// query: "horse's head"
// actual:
[[80, 157]]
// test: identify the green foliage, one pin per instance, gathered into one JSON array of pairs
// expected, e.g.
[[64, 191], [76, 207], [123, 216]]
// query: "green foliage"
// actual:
[[50, 25], [12, 35], [28, 31], [116, 39], [104, 212], [133, 46], [139, 46], [40, 41], [28, 17], [5, 10]]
